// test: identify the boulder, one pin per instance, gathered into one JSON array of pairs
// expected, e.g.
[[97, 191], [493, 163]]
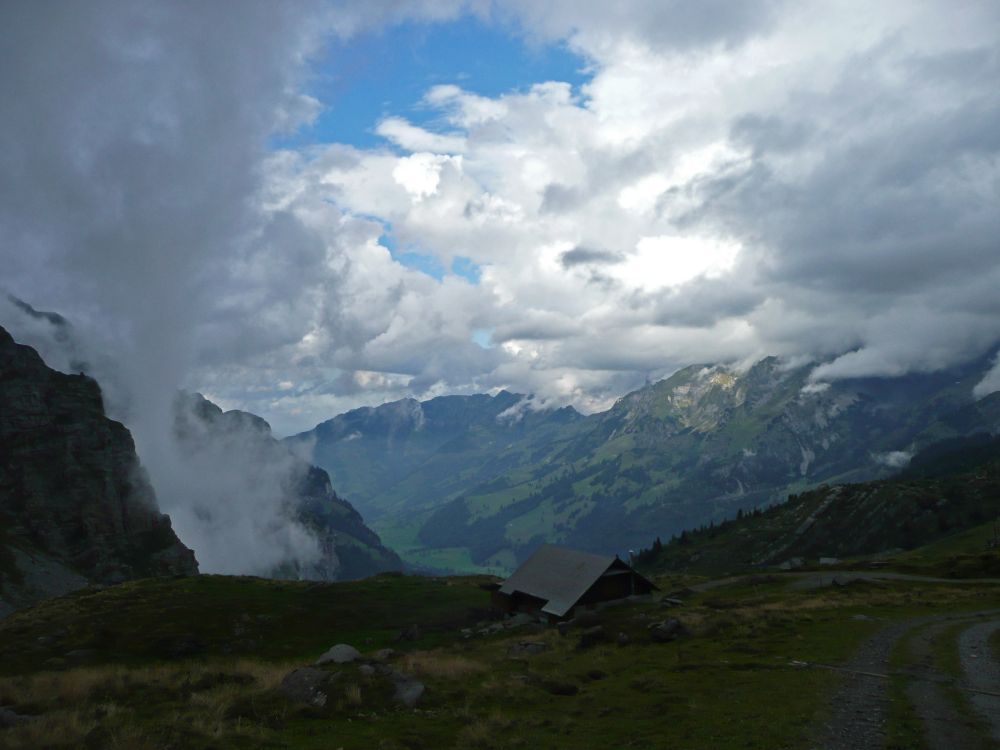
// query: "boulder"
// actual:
[[527, 648], [409, 690], [342, 653], [308, 685], [667, 630], [593, 636]]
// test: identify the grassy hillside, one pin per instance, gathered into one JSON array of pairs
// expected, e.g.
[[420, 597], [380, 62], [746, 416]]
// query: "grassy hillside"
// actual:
[[951, 487], [196, 663]]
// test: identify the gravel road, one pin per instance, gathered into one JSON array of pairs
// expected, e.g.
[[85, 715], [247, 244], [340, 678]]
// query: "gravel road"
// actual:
[[861, 704], [982, 672]]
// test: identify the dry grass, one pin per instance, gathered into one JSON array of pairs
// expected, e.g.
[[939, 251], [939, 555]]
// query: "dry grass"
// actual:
[[73, 704], [352, 694], [442, 665], [491, 732], [60, 728]]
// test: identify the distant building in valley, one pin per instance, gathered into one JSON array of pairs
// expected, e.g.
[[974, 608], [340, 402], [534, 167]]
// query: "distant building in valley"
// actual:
[[555, 580]]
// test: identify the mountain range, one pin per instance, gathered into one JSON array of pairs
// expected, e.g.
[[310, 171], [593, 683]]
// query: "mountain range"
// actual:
[[476, 482]]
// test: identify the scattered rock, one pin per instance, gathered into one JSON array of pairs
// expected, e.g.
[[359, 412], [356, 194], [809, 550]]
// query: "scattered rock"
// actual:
[[829, 560], [367, 670], [593, 636], [409, 691], [308, 685], [521, 618], [793, 563], [623, 639], [527, 648], [671, 601], [668, 630], [384, 654], [565, 626], [342, 653]]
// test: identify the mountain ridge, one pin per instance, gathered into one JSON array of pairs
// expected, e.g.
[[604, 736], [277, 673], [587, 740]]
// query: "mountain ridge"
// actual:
[[683, 451], [75, 503]]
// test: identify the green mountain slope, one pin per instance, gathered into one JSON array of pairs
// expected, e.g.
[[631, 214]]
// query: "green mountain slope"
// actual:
[[950, 487], [673, 455]]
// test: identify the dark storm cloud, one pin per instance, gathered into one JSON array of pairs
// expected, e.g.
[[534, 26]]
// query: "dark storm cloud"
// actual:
[[671, 24], [704, 302], [584, 256], [895, 217]]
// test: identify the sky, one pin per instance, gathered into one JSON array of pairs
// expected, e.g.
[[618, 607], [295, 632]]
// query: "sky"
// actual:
[[301, 208]]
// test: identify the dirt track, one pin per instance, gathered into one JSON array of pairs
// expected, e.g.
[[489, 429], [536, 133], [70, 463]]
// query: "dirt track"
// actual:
[[953, 717]]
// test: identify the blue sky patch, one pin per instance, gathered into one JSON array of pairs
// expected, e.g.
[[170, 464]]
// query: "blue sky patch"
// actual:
[[483, 337], [466, 268], [378, 74]]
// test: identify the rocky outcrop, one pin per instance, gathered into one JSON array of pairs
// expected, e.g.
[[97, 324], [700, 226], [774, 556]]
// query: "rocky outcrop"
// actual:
[[75, 503]]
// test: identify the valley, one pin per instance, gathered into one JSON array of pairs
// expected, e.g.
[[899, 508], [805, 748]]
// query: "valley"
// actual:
[[474, 483]]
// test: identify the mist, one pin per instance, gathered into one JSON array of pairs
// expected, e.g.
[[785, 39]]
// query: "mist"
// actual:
[[132, 139]]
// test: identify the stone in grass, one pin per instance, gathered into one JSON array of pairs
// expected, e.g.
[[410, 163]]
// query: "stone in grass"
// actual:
[[593, 636], [519, 619], [409, 690], [527, 648], [308, 685], [668, 630], [342, 653]]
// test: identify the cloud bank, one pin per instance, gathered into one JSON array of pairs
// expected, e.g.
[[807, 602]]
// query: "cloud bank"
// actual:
[[810, 180]]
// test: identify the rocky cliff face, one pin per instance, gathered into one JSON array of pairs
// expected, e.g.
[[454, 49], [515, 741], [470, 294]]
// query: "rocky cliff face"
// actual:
[[75, 504]]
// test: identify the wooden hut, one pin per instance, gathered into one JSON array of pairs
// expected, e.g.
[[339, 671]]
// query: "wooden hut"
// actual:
[[555, 580]]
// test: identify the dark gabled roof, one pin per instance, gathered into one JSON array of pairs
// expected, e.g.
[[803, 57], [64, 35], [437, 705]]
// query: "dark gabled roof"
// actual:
[[558, 575]]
